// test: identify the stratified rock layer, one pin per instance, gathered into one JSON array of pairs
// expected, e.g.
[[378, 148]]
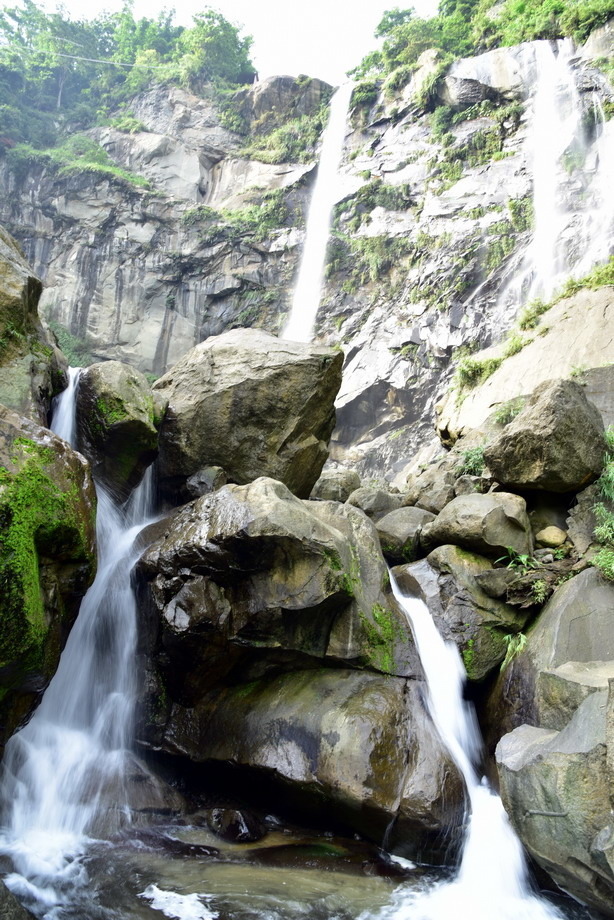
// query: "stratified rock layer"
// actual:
[[252, 404]]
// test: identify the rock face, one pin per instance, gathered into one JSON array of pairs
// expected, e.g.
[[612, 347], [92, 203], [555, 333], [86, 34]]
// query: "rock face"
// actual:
[[47, 558], [30, 368], [478, 624], [278, 648], [554, 766], [488, 524], [252, 404], [115, 424], [555, 444], [10, 908]]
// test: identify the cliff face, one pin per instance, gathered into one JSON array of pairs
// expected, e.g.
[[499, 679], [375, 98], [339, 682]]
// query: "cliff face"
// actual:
[[435, 217]]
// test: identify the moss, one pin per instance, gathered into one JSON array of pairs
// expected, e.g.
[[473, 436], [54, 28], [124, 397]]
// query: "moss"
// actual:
[[380, 630], [110, 411], [36, 518]]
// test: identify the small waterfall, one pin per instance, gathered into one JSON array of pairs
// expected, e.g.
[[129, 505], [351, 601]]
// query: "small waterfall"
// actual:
[[67, 764], [306, 300], [491, 882], [63, 408]]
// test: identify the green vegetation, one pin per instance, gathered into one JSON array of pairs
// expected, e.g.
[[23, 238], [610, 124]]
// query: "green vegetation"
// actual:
[[76, 350], [77, 154], [293, 142], [604, 530], [515, 644], [473, 371], [267, 212], [508, 411], [465, 27], [367, 259], [472, 463], [356, 209], [58, 75]]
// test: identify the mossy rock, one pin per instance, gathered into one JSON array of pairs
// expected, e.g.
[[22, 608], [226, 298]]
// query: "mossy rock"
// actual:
[[115, 424], [47, 557]]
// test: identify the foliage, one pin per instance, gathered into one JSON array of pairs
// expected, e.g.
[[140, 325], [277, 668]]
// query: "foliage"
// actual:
[[529, 318], [58, 74], [367, 258], [515, 644], [357, 208], [473, 371], [472, 463], [604, 562], [293, 142], [508, 411], [78, 154], [76, 350], [365, 93], [521, 561]]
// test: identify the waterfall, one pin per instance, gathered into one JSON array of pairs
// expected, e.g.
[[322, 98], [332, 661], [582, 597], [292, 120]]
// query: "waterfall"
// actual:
[[306, 300], [63, 408], [491, 882], [58, 770], [573, 192]]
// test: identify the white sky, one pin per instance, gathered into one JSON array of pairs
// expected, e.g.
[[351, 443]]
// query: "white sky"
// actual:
[[321, 38]]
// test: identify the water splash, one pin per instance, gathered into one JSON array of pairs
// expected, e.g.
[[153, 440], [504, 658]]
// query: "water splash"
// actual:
[[73, 752], [63, 408], [306, 300], [492, 881]]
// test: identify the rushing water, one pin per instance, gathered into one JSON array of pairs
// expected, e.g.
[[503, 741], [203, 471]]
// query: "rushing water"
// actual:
[[306, 300], [491, 882], [58, 770]]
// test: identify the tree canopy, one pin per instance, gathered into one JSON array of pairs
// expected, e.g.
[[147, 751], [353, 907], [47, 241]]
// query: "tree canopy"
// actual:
[[57, 72]]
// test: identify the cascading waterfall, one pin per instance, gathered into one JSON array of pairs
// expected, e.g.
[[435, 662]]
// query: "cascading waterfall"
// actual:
[[72, 753], [306, 300], [492, 882], [573, 192]]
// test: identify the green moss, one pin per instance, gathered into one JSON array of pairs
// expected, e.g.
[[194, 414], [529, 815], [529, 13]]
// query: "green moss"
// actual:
[[110, 411], [36, 518]]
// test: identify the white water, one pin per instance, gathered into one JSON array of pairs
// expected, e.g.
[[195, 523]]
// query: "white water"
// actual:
[[573, 183], [63, 408], [307, 292], [72, 752], [491, 882]]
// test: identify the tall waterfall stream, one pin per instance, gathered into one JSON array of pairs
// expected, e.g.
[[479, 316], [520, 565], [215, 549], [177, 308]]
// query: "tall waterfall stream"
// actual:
[[62, 773]]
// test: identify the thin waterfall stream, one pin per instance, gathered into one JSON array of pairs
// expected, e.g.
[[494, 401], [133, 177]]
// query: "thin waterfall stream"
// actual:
[[64, 770], [492, 881], [306, 300]]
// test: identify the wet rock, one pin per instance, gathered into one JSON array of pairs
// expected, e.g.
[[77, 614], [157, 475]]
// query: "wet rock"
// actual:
[[251, 573], [115, 424], [31, 368], [334, 855], [375, 502], [556, 443], [10, 908], [47, 558], [335, 485], [479, 625], [484, 523], [236, 826], [399, 533], [358, 745], [225, 408]]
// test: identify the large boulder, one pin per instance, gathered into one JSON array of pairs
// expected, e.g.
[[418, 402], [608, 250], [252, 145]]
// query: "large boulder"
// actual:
[[252, 404], [115, 424], [247, 572], [47, 558], [555, 444], [31, 369], [490, 524], [555, 762], [359, 747], [399, 533], [479, 625], [273, 642], [335, 485], [556, 788]]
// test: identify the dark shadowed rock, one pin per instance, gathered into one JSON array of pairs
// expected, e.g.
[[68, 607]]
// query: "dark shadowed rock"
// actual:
[[237, 826], [252, 404], [115, 424], [10, 908], [485, 523], [362, 742], [47, 557], [556, 443]]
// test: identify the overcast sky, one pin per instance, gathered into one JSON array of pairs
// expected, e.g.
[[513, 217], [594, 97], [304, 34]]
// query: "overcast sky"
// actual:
[[321, 38]]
